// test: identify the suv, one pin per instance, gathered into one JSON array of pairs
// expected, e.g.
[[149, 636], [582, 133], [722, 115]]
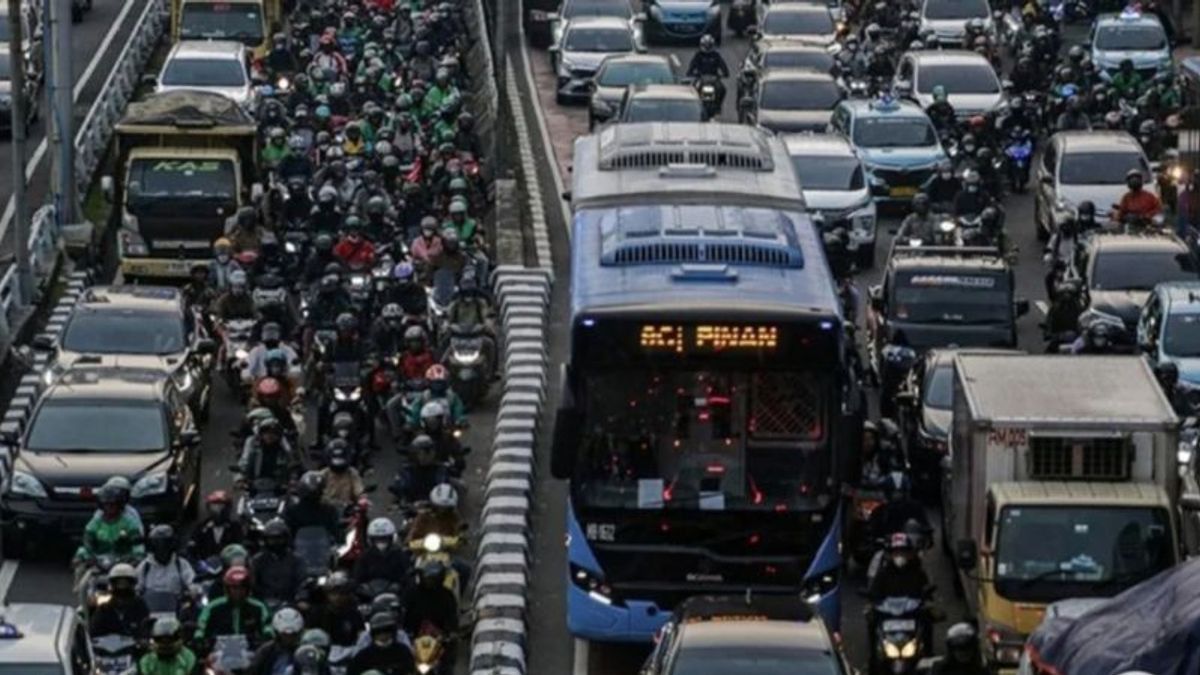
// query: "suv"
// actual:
[[585, 44], [214, 66], [971, 84], [834, 182], [717, 634], [90, 425], [948, 19], [1169, 330], [1121, 270], [43, 639], [765, 56], [1077, 166], [896, 142], [1129, 35], [682, 19], [139, 327]]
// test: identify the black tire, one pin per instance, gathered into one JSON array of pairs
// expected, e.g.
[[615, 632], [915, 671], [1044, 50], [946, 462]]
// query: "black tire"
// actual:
[[866, 257], [560, 99]]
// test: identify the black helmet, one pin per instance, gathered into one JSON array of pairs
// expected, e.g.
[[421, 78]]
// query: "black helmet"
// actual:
[[275, 529], [961, 637], [1087, 208], [346, 321], [312, 484], [920, 202], [1076, 53], [161, 539], [383, 622], [707, 43], [339, 581]]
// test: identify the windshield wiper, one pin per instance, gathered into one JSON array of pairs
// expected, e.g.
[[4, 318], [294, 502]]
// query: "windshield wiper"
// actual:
[[1064, 567]]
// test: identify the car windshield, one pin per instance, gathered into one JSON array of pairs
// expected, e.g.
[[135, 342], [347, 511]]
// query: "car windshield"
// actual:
[[828, 173], [201, 72], [599, 40], [961, 78], [1048, 552], [98, 426], [645, 109], [951, 298], [1099, 168], [159, 179], [954, 10], [790, 22], [723, 659], [616, 8], [794, 95], [938, 386], [5, 71], [240, 21], [1140, 270], [121, 332], [894, 132], [794, 58], [624, 74], [1131, 38], [1181, 338]]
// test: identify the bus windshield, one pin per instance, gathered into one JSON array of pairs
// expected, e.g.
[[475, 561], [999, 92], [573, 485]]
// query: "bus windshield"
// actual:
[[241, 21]]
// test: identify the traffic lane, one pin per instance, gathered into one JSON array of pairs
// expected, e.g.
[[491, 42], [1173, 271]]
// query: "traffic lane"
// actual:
[[95, 45], [565, 123]]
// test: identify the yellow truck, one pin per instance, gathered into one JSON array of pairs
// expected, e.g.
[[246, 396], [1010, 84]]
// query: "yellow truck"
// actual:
[[187, 163], [1064, 482], [251, 22]]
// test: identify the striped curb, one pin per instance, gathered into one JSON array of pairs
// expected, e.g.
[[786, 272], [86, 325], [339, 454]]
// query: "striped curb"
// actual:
[[503, 554]]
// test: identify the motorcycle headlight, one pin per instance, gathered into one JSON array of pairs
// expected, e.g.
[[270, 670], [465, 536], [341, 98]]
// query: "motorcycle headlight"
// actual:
[[147, 486], [25, 484], [909, 649], [890, 650], [291, 247], [358, 281], [347, 394], [1183, 454], [432, 542], [468, 358], [423, 668], [241, 354]]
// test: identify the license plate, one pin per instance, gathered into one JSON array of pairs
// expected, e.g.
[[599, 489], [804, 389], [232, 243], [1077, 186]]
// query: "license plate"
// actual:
[[156, 268], [899, 625], [902, 191], [264, 503]]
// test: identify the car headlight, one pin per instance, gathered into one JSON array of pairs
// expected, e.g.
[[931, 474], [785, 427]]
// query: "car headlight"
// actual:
[[149, 485], [132, 243], [593, 584], [565, 67], [432, 542], [819, 586], [48, 376], [25, 484], [875, 180]]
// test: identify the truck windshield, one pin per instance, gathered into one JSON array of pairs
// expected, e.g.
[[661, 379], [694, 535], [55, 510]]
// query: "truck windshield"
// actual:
[[951, 298], [241, 21], [1046, 553], [694, 439], [159, 179]]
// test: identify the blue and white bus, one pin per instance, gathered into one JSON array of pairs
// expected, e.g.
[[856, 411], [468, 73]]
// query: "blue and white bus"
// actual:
[[708, 420]]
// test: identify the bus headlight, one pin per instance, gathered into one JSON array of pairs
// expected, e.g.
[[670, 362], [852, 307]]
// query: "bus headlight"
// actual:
[[593, 584], [819, 586]]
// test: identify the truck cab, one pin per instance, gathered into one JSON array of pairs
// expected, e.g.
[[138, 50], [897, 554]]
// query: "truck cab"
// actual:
[[251, 22]]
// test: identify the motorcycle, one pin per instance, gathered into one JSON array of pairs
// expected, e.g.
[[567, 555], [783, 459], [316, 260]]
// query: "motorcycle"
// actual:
[[258, 505], [238, 337], [428, 649], [469, 363], [708, 87], [1019, 152], [441, 547], [340, 657], [230, 654], [356, 534], [114, 654], [899, 642]]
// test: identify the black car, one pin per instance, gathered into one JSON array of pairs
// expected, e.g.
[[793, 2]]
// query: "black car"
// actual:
[[936, 297], [95, 423], [140, 327], [661, 103], [766, 56], [1122, 269], [764, 634], [621, 71]]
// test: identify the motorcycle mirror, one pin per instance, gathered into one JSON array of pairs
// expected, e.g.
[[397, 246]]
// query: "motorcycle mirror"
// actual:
[[966, 553]]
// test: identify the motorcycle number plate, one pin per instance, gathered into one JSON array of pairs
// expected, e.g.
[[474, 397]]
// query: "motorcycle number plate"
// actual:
[[899, 625], [902, 191], [264, 503]]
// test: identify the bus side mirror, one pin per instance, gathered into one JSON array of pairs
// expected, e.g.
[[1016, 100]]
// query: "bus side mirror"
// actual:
[[568, 432], [966, 554]]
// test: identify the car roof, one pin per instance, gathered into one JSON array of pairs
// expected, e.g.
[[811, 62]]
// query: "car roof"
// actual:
[[602, 22], [41, 626], [797, 75], [664, 91], [208, 48], [1136, 19], [937, 357], [1084, 141], [797, 635], [1181, 297], [791, 46], [637, 57], [823, 145], [142, 298], [1138, 243], [862, 107], [926, 57], [86, 382], [798, 8]]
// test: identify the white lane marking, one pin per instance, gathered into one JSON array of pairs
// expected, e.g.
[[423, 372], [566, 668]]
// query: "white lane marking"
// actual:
[[559, 186], [1042, 307], [8, 573], [580, 666], [40, 152]]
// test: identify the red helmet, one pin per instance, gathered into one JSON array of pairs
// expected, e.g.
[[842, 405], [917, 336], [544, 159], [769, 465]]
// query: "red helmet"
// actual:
[[218, 497], [268, 387], [237, 576], [437, 372]]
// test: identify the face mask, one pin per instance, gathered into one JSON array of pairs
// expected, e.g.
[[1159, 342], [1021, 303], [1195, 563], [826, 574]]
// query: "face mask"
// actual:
[[381, 546], [223, 258], [271, 343], [384, 640], [947, 175], [900, 560]]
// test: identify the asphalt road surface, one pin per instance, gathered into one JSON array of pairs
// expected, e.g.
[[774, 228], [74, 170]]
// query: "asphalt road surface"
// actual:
[[552, 649]]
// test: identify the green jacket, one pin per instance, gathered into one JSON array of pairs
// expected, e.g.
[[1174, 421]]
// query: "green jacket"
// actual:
[[121, 537], [184, 663], [466, 231], [221, 617], [272, 155], [1127, 85]]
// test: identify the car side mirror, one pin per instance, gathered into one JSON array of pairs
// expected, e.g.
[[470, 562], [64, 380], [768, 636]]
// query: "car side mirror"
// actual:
[[149, 81], [189, 438], [568, 433], [10, 438], [206, 346], [42, 343], [1189, 501], [566, 195], [553, 49], [1021, 307], [256, 193], [966, 554], [108, 188]]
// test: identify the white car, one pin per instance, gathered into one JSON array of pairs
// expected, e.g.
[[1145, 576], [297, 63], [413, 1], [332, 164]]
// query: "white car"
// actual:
[[834, 182], [584, 46], [948, 19], [213, 66], [1129, 35], [971, 83]]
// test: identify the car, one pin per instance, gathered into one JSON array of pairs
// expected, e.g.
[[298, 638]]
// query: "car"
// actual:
[[661, 103], [763, 634], [1169, 330], [772, 55], [621, 71], [682, 19], [585, 43], [798, 22], [1129, 35], [834, 182], [44, 639], [1121, 270], [788, 100], [896, 141], [1068, 610], [969, 79], [216, 66], [31, 98], [581, 9], [137, 326], [947, 19], [1077, 166], [31, 38], [91, 424]]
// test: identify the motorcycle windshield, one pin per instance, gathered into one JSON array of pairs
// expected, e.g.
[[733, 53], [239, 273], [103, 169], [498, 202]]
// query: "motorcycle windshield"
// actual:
[[312, 545], [345, 374], [443, 286]]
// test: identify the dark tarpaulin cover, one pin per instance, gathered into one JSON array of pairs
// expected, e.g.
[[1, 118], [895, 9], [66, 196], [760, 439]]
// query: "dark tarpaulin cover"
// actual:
[[1152, 627], [186, 108]]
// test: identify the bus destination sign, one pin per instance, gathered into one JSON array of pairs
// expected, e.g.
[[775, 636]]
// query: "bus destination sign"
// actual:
[[707, 338]]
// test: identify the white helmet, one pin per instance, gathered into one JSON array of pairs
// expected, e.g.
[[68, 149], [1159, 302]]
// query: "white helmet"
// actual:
[[444, 496], [122, 571], [287, 621], [381, 528], [433, 409]]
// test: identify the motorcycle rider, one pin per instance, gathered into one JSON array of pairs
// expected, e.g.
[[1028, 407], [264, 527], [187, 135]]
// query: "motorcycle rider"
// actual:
[[470, 306], [427, 247], [235, 303], [343, 483], [439, 391], [309, 508], [198, 292], [256, 360], [331, 301], [418, 477], [326, 216], [971, 201], [222, 266], [267, 454], [246, 234], [320, 258], [1025, 76], [275, 655], [920, 224], [1074, 118], [277, 572], [355, 251], [337, 614], [708, 62], [407, 292], [163, 571], [417, 358], [387, 332], [168, 656], [899, 510], [901, 573], [962, 653], [1062, 251], [276, 396], [1126, 81], [385, 654], [121, 488], [429, 603], [113, 532], [942, 187], [275, 150], [234, 613], [382, 558], [941, 113], [1137, 203], [219, 528], [125, 613]]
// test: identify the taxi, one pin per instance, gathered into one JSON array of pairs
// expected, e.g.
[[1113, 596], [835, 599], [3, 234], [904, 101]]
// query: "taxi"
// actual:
[[43, 639], [1129, 35], [896, 141]]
